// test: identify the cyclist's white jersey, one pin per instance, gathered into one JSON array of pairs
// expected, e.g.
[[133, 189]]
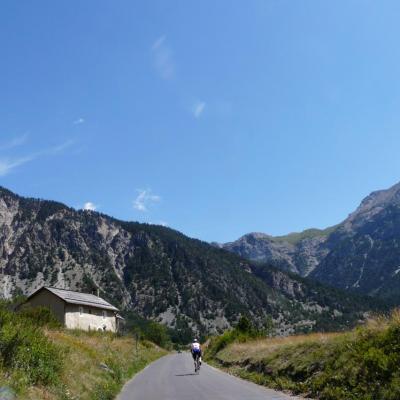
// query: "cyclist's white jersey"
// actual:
[[195, 346]]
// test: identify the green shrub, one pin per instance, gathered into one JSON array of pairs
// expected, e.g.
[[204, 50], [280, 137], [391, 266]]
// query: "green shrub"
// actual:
[[146, 329], [106, 391], [244, 325], [220, 342], [243, 332], [39, 316], [156, 333], [26, 352]]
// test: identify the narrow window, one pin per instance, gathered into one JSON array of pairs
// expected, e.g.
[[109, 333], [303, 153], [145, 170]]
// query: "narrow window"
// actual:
[[104, 314], [80, 310]]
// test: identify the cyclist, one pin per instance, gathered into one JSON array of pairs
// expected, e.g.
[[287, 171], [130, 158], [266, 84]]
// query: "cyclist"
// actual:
[[195, 349]]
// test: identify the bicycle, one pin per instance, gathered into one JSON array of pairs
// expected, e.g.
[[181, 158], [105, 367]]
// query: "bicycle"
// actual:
[[197, 364]]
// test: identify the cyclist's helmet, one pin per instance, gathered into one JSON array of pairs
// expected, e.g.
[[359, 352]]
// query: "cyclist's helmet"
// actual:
[[195, 341]]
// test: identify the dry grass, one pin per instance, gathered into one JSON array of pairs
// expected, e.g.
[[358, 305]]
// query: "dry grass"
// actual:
[[359, 364], [85, 354], [260, 348]]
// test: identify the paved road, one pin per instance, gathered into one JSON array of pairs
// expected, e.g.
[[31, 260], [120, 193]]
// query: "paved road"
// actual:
[[172, 378]]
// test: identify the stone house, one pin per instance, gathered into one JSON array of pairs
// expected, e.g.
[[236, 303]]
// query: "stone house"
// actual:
[[77, 310]]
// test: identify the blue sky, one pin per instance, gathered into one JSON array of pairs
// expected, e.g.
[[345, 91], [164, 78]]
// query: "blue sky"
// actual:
[[216, 118]]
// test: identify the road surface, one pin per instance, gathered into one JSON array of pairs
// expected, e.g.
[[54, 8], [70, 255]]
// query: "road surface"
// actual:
[[172, 378]]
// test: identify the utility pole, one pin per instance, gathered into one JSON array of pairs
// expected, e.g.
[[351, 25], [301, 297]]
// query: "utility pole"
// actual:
[[137, 340], [1, 278]]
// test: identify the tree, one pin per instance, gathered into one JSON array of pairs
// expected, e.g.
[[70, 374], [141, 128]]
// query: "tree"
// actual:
[[244, 325]]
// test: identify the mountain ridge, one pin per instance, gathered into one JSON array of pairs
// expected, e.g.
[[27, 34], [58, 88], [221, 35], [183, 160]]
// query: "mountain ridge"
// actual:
[[360, 253], [156, 272]]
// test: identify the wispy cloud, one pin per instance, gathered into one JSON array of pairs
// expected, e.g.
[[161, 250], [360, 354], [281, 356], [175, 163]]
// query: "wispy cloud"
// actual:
[[15, 142], [89, 206], [198, 108], [79, 121], [158, 43], [9, 163], [163, 58], [58, 148], [145, 199]]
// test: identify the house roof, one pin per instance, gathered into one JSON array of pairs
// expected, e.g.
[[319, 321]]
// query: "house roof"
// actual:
[[84, 299]]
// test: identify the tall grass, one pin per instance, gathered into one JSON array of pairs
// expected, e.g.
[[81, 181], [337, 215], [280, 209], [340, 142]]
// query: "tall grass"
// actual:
[[361, 364], [97, 365]]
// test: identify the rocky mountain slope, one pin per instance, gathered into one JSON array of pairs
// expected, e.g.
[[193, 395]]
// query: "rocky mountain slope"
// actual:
[[299, 253], [155, 271], [362, 253]]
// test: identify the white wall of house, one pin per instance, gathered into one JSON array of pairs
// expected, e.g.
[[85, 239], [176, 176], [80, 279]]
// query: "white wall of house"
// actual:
[[89, 318]]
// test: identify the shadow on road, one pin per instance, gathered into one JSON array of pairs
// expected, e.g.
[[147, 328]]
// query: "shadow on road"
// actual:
[[186, 374]]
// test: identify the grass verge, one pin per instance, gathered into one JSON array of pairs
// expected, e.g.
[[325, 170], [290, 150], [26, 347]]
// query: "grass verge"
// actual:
[[41, 361], [361, 364], [95, 366]]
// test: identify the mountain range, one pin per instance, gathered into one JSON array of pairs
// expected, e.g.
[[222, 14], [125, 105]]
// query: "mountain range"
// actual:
[[157, 272], [360, 254]]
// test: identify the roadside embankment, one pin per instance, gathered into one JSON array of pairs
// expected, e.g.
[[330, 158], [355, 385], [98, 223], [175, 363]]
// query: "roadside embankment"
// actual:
[[96, 365], [41, 361], [360, 364]]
